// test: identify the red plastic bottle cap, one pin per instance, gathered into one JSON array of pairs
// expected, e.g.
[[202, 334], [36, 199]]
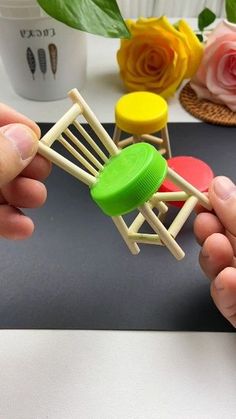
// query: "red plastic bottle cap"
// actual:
[[195, 171]]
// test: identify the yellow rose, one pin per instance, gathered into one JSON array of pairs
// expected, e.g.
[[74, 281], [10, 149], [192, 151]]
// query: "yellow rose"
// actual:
[[158, 56], [195, 48]]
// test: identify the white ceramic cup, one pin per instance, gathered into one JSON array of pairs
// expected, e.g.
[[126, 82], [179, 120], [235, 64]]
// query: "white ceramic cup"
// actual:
[[43, 58]]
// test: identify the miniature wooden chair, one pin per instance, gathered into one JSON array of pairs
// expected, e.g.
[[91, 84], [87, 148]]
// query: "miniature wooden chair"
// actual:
[[121, 181], [142, 114]]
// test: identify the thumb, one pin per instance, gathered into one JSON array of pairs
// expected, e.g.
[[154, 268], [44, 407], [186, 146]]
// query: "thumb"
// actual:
[[18, 146], [222, 194]]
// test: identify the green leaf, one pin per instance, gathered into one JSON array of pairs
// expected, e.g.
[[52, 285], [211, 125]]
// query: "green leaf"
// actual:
[[230, 8], [205, 18], [199, 36], [100, 17], [176, 25]]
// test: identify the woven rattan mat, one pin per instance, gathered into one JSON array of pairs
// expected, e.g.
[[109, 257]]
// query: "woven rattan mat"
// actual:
[[206, 111]]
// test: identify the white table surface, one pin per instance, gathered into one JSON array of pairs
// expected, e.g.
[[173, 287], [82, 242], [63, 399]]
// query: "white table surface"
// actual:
[[112, 374]]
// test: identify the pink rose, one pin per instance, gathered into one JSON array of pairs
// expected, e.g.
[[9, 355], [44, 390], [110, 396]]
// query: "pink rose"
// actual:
[[215, 79]]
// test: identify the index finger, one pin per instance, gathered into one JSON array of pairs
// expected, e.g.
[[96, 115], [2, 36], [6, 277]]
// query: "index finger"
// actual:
[[11, 116]]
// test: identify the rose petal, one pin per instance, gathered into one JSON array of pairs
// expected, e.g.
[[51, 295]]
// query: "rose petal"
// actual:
[[226, 70], [212, 81]]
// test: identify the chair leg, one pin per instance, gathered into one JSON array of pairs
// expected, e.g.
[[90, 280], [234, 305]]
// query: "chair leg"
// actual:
[[160, 229], [166, 142], [182, 216], [126, 142], [124, 231], [116, 135], [137, 138], [155, 141]]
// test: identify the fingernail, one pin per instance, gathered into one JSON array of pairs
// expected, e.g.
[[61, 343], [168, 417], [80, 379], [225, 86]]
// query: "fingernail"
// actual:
[[224, 187], [23, 139]]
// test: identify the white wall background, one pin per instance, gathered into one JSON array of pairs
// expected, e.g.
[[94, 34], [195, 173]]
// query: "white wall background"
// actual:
[[170, 8]]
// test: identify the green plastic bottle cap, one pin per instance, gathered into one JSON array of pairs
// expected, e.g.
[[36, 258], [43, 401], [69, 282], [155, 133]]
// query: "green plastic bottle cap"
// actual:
[[129, 179]]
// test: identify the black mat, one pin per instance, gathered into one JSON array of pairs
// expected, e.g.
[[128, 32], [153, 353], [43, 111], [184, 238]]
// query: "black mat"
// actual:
[[76, 272]]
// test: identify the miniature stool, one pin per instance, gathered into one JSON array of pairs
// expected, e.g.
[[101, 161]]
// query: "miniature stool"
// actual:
[[121, 180], [141, 114], [195, 171]]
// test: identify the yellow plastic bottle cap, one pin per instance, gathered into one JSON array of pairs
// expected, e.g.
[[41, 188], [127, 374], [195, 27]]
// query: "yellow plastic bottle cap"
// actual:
[[141, 113]]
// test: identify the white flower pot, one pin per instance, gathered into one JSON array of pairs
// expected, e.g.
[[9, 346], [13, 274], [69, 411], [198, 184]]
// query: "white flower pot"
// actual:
[[43, 57]]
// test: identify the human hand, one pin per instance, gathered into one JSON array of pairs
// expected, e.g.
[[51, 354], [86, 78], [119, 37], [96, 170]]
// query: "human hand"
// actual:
[[21, 173], [216, 233]]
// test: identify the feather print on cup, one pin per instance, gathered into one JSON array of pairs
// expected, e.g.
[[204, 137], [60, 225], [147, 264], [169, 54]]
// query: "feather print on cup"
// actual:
[[31, 61], [53, 58], [42, 61]]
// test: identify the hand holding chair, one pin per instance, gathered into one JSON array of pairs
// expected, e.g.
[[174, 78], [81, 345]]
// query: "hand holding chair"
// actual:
[[121, 181]]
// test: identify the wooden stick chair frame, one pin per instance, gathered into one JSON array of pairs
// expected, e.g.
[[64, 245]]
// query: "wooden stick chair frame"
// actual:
[[92, 164], [162, 143]]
